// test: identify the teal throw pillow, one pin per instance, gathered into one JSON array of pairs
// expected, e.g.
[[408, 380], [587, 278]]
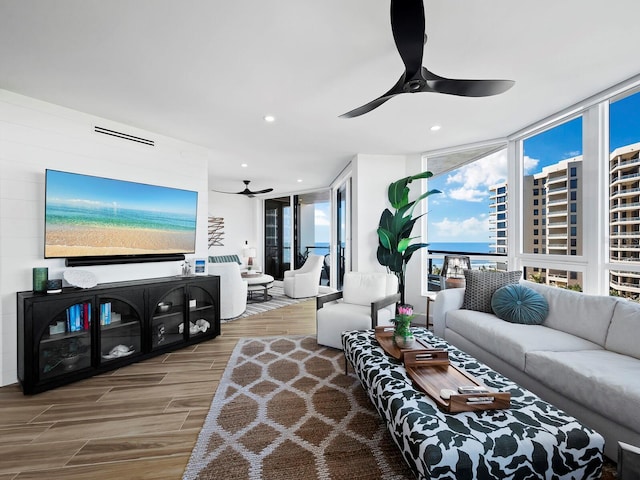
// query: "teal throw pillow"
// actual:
[[519, 304]]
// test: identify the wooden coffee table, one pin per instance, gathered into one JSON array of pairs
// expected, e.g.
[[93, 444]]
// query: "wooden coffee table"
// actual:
[[258, 287]]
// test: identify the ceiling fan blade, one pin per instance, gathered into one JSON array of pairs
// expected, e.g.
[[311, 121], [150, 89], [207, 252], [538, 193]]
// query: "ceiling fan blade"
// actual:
[[407, 24], [367, 107], [469, 88], [260, 192]]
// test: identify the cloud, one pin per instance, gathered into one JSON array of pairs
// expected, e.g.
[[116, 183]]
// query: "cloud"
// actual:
[[469, 195], [468, 229], [481, 174], [530, 165]]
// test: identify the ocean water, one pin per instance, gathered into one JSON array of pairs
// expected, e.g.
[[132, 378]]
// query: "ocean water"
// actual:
[[61, 215]]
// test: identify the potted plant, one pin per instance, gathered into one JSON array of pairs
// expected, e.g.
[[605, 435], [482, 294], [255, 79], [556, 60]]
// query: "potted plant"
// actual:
[[394, 230], [402, 335]]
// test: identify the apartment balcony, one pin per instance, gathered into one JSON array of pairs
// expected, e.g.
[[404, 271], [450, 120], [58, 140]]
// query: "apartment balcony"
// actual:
[[615, 166], [621, 193], [558, 235], [624, 206], [623, 179], [556, 179], [615, 257], [557, 202], [623, 248], [557, 190], [557, 278], [557, 214], [557, 225], [624, 274], [624, 286], [625, 220], [625, 234]]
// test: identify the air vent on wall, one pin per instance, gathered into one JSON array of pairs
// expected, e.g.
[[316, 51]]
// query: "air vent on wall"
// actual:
[[124, 136]]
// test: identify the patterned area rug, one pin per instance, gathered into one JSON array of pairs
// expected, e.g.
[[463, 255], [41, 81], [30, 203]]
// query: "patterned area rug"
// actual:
[[278, 299], [285, 410]]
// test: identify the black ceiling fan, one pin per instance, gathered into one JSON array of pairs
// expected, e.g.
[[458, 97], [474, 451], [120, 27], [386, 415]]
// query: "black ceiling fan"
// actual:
[[248, 192], [408, 26]]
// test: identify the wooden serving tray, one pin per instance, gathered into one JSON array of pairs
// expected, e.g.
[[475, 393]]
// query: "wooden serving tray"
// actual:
[[432, 378], [384, 336]]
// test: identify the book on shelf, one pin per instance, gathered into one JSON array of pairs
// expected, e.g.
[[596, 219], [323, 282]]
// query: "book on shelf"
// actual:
[[79, 317], [105, 313]]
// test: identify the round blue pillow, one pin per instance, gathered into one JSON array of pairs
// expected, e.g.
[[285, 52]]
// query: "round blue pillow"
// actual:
[[516, 303]]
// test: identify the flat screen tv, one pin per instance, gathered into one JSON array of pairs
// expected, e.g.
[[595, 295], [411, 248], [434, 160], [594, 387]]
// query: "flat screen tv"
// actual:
[[107, 220]]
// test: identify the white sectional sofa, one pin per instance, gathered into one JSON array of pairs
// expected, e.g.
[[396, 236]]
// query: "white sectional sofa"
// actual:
[[584, 358]]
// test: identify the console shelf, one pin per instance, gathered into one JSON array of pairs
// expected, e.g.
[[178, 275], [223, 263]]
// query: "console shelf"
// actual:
[[78, 333]]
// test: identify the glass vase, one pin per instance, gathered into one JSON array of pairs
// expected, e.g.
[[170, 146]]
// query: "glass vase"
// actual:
[[404, 340]]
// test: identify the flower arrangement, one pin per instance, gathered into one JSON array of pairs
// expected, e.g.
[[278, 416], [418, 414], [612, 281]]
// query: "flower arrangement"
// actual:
[[402, 335]]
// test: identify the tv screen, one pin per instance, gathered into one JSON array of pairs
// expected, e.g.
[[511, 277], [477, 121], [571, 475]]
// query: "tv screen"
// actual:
[[87, 216]]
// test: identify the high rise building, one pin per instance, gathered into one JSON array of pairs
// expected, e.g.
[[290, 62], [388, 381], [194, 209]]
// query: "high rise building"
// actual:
[[624, 218]]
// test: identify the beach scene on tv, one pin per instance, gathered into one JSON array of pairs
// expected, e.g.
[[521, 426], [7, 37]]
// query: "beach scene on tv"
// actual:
[[93, 216]]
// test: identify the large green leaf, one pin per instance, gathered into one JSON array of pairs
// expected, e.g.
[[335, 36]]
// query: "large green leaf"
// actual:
[[404, 244], [386, 220], [387, 239], [411, 249], [384, 256], [421, 197], [399, 193]]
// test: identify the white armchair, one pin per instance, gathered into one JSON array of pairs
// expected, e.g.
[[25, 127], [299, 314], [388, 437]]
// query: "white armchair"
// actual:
[[367, 300], [233, 289], [304, 282]]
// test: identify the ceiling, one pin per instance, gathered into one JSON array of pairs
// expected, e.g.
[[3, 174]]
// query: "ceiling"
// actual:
[[207, 71]]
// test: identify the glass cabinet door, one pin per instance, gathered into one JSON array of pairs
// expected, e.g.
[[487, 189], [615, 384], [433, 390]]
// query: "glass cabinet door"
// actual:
[[65, 342], [120, 328], [201, 312], [167, 321]]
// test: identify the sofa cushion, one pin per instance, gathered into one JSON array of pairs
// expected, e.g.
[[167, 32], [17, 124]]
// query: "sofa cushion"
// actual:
[[519, 304], [480, 286], [604, 381], [623, 336], [587, 316], [511, 341]]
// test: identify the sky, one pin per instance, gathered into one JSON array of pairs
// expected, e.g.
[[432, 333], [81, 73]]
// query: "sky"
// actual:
[[461, 212]]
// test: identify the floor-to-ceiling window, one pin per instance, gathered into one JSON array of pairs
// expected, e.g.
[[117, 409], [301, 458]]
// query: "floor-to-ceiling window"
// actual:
[[624, 196], [552, 206], [312, 228], [470, 215], [572, 197]]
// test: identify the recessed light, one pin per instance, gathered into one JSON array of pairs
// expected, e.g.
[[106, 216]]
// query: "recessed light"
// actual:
[[299, 180], [269, 118], [435, 128], [244, 165]]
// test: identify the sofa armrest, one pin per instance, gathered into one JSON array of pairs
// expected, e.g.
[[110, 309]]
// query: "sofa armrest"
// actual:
[[379, 304], [446, 300], [329, 297]]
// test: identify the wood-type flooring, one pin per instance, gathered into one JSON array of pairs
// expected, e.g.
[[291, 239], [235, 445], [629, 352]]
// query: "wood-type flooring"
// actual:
[[137, 422]]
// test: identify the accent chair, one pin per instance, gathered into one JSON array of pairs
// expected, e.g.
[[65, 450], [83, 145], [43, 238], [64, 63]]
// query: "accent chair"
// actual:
[[366, 301], [233, 289], [304, 281]]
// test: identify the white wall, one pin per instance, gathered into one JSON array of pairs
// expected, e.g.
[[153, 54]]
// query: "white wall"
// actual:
[[34, 136], [372, 175], [241, 223]]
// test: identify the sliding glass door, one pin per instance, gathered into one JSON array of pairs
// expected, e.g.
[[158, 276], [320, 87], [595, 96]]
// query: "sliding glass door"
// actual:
[[277, 236]]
